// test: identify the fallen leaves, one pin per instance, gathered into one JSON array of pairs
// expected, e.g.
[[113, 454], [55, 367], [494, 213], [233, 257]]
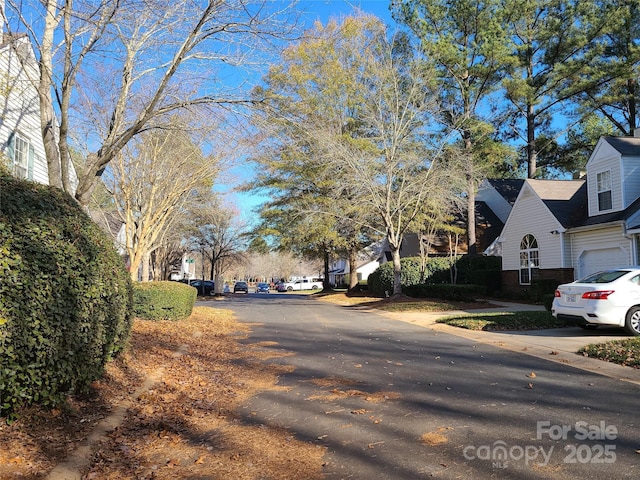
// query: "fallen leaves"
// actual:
[[185, 426], [435, 438], [337, 393], [375, 444], [623, 352]]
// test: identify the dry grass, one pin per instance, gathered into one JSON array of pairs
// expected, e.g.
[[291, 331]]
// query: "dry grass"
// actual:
[[183, 426], [400, 303]]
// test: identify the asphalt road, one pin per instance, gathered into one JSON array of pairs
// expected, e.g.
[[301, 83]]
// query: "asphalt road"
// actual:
[[393, 400]]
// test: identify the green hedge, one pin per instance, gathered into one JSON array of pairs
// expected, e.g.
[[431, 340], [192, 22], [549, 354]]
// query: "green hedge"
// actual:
[[163, 300], [460, 293], [381, 280], [470, 270], [65, 296]]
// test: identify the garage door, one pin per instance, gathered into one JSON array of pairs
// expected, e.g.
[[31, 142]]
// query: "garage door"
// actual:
[[592, 261]]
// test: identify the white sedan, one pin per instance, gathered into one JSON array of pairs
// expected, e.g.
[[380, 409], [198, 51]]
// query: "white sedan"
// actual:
[[610, 297]]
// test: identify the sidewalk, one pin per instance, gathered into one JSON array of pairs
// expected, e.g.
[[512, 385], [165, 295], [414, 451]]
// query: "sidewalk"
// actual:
[[556, 345]]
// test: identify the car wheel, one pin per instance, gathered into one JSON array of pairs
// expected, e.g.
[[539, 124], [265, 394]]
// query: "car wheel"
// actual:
[[632, 321], [289, 289], [314, 287]]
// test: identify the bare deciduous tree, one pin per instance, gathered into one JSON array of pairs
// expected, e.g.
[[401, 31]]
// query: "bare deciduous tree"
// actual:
[[400, 164], [129, 65], [218, 235], [150, 182]]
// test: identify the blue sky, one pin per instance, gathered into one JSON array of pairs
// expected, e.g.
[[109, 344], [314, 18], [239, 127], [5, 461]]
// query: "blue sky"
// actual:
[[325, 9], [312, 10]]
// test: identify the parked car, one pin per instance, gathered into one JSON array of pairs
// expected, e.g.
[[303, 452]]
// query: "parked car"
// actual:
[[610, 297], [204, 287], [241, 287], [262, 287], [304, 284]]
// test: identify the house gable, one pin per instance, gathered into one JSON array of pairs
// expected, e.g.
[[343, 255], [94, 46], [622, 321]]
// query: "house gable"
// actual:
[[529, 216], [613, 175], [597, 219], [542, 213]]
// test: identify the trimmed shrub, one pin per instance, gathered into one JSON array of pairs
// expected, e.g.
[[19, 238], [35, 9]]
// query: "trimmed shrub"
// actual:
[[547, 301], [543, 287], [163, 300], [65, 296], [381, 281], [471, 270]]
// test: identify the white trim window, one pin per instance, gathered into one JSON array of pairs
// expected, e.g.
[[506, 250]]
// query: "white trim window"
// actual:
[[21, 155], [529, 259], [603, 185]]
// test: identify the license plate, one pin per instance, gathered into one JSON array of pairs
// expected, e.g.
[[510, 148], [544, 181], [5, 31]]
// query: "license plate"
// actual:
[[571, 299]]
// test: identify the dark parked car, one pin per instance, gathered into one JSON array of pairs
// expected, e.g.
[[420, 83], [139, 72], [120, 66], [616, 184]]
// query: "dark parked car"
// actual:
[[262, 288], [204, 287], [241, 287]]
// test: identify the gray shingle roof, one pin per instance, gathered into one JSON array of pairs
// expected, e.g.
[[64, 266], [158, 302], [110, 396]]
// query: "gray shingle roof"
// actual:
[[509, 188], [566, 199], [629, 146]]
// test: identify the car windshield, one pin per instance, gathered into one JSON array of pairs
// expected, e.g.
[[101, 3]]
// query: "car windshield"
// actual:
[[607, 276]]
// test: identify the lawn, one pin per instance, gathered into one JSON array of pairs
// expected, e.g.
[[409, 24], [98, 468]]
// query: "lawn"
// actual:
[[623, 352], [504, 321], [401, 303]]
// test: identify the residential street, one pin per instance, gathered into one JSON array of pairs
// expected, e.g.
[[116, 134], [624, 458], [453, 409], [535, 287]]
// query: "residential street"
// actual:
[[396, 400]]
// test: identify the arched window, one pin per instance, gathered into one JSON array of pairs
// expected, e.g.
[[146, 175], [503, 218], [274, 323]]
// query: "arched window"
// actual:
[[529, 259]]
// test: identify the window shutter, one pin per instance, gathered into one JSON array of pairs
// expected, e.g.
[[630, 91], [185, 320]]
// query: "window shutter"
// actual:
[[11, 147], [30, 163]]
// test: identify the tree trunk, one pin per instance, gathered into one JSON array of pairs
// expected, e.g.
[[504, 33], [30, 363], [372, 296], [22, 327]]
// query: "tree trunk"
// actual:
[[532, 151], [326, 285], [87, 181], [397, 271], [471, 198], [472, 247], [631, 88], [47, 116], [145, 266], [47, 126], [353, 267]]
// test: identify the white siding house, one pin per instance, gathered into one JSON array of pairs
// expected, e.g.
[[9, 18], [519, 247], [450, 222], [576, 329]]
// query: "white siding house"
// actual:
[[20, 137], [368, 261], [495, 197], [533, 236], [566, 229]]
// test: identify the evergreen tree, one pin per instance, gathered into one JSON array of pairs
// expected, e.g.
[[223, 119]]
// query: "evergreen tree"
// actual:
[[466, 41]]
